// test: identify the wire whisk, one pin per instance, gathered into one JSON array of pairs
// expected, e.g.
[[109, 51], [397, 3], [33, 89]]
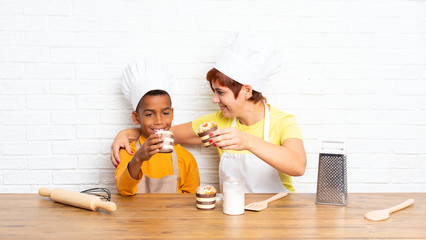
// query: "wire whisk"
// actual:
[[103, 193]]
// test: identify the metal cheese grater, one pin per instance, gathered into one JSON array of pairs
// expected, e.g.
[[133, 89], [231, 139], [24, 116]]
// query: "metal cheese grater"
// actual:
[[332, 175]]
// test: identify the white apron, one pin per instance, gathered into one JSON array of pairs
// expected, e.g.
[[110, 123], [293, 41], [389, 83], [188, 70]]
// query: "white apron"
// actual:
[[167, 184], [259, 177]]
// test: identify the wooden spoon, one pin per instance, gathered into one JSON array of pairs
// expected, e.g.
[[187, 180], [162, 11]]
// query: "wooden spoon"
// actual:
[[259, 206], [379, 215]]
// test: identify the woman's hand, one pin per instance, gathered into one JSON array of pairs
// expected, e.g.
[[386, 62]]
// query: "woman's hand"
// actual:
[[122, 140], [289, 158], [230, 139]]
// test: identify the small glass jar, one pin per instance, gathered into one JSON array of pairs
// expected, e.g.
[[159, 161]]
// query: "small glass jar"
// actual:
[[233, 195]]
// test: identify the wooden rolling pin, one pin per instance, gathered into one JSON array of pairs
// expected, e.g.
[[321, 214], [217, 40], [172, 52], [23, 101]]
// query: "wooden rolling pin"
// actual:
[[77, 199]]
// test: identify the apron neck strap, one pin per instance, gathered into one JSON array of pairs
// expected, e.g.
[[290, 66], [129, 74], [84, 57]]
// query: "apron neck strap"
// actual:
[[265, 124]]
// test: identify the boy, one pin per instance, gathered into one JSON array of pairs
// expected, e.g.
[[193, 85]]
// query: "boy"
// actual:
[[149, 171]]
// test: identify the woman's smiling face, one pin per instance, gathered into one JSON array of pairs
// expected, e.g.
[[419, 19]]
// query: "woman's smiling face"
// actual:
[[228, 104]]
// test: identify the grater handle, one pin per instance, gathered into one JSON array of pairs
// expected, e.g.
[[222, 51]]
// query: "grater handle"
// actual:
[[333, 146]]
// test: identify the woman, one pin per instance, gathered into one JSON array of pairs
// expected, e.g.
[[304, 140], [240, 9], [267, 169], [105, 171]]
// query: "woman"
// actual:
[[255, 141]]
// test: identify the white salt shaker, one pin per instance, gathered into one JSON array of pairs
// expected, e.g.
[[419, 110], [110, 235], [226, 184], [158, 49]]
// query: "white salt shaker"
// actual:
[[233, 195]]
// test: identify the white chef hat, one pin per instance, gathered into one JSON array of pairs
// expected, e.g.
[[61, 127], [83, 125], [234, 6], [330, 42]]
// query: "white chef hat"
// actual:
[[145, 75], [250, 59]]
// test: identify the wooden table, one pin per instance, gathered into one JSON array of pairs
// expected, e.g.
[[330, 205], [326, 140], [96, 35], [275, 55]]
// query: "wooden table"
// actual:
[[171, 216]]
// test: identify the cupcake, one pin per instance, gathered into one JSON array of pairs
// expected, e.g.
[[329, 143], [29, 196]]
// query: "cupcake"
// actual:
[[168, 141], [206, 197], [204, 130]]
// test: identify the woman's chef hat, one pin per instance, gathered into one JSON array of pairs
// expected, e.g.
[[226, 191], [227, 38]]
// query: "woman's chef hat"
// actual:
[[145, 75], [250, 59]]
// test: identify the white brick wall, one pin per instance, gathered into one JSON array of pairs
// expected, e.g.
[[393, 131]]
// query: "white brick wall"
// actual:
[[355, 69]]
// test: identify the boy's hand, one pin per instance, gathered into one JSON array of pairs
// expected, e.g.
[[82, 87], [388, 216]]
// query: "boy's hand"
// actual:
[[150, 147]]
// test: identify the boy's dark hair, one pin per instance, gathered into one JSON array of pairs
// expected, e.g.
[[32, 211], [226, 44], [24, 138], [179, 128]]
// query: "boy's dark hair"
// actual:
[[154, 92]]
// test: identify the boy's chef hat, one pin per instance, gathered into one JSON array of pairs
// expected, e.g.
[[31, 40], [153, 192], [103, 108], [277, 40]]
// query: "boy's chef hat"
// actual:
[[145, 75], [250, 59]]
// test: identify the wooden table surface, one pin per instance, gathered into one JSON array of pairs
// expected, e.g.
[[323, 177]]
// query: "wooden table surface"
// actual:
[[171, 216]]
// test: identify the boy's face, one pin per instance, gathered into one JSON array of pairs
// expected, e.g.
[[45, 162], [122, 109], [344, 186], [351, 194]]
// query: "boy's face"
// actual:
[[154, 113]]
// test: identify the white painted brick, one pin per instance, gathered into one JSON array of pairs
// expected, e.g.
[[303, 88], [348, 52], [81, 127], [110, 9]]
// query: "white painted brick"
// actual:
[[74, 55], [386, 117], [11, 133], [417, 87], [27, 177], [94, 162], [11, 39], [296, 39], [97, 132], [107, 177], [208, 40], [104, 72], [49, 39], [99, 40], [150, 8], [97, 8], [74, 87], [48, 71], [224, 24], [75, 117], [123, 24], [275, 23], [393, 131], [21, 23], [50, 133], [10, 103], [25, 148], [9, 71], [172, 24], [369, 176], [71, 24], [117, 117], [23, 87], [368, 146], [120, 56], [12, 162], [48, 7], [100, 102], [112, 87], [24, 118], [145, 40], [75, 147], [10, 7], [50, 102], [75, 177], [409, 147], [52, 162], [25, 55], [320, 25]]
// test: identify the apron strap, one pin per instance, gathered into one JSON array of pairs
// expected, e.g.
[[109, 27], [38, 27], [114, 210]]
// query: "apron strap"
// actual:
[[265, 123], [174, 159]]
